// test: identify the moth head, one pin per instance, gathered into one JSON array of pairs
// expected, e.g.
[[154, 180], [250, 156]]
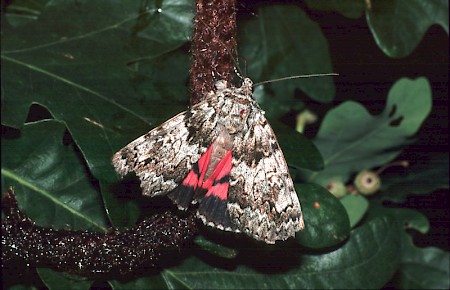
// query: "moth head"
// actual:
[[247, 86]]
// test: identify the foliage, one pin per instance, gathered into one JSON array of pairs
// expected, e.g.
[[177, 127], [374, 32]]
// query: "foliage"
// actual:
[[348, 149], [106, 73]]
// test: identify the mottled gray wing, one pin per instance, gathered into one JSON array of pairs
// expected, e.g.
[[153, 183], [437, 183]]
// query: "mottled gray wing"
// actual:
[[262, 201], [163, 157]]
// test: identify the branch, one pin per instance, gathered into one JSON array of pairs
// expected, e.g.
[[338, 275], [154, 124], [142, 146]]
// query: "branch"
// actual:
[[88, 253], [213, 46]]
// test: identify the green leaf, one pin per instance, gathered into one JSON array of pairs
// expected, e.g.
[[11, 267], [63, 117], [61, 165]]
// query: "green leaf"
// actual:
[[73, 61], [98, 68], [299, 151], [22, 12], [422, 268], [428, 173], [351, 140], [326, 221], [282, 41], [407, 218], [50, 180], [216, 249], [399, 25], [419, 268], [356, 207], [57, 280], [348, 8], [367, 260], [412, 219], [121, 212], [144, 283], [22, 287], [276, 105]]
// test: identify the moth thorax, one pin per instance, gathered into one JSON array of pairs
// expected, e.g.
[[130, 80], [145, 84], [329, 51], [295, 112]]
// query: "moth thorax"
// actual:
[[237, 117]]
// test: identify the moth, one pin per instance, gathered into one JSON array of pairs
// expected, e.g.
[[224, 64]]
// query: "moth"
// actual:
[[222, 155]]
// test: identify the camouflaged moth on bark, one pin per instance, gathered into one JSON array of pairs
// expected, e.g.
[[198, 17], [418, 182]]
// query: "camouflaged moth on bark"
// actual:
[[223, 155]]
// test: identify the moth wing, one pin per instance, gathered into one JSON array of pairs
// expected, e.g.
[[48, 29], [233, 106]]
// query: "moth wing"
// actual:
[[262, 201], [213, 197], [184, 193], [165, 155]]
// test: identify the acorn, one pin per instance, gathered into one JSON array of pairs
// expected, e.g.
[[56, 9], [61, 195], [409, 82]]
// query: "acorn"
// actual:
[[367, 182], [337, 188]]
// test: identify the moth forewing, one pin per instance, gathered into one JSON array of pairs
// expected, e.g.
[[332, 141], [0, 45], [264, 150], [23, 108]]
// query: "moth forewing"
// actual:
[[161, 158], [262, 198]]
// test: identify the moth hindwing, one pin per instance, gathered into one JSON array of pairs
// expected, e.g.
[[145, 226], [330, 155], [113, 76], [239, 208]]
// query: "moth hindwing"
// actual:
[[223, 155]]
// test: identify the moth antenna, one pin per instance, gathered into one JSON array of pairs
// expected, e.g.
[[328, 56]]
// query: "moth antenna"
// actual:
[[241, 75], [238, 71], [295, 77]]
